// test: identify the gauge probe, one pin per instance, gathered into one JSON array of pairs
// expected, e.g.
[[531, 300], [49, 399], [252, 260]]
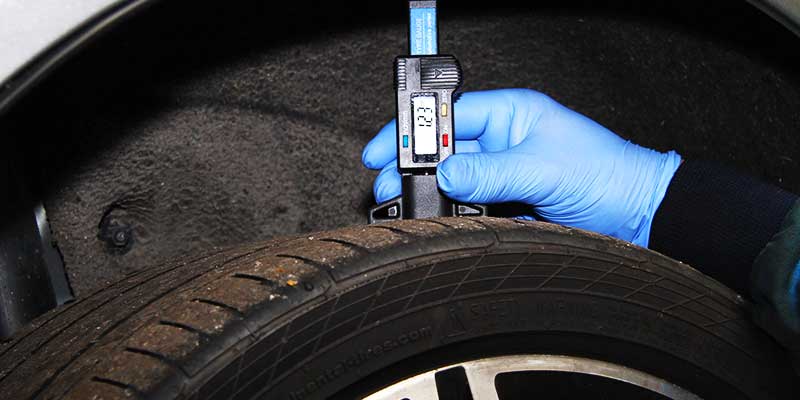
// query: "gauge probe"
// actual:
[[425, 83]]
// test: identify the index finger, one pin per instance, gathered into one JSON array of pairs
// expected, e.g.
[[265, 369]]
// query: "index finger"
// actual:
[[382, 149], [498, 119]]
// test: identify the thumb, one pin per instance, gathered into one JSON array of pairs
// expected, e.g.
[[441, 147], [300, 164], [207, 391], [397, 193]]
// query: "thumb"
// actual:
[[486, 178]]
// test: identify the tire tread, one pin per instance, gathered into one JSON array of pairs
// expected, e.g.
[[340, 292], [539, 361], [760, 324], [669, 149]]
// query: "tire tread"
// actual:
[[178, 323]]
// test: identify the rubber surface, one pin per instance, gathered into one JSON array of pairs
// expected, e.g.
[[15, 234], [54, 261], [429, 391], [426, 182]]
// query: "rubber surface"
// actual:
[[308, 317]]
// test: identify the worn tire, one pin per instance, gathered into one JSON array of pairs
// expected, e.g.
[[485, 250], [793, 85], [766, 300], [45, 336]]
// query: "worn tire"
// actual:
[[344, 312]]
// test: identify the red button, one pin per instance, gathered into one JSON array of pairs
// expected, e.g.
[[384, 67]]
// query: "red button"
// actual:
[[445, 140]]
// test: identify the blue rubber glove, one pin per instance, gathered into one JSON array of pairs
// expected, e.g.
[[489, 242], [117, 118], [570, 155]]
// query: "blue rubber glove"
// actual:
[[518, 145]]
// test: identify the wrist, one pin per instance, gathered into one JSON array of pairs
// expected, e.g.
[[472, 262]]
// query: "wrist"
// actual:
[[657, 173], [718, 220]]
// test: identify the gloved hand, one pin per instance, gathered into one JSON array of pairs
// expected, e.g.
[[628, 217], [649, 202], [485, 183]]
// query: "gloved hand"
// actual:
[[518, 145]]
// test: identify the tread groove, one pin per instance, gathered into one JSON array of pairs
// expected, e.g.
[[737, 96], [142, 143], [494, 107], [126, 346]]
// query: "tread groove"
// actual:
[[223, 306], [124, 386], [93, 309], [393, 230], [357, 247], [449, 228], [318, 265], [91, 344], [80, 352], [158, 356], [488, 228], [80, 318], [97, 292], [203, 336], [259, 279]]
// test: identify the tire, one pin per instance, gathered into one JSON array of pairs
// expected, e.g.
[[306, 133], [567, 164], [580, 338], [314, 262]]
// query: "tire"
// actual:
[[344, 313]]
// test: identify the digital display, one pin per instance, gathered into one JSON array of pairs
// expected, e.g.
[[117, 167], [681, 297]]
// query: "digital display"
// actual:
[[424, 120]]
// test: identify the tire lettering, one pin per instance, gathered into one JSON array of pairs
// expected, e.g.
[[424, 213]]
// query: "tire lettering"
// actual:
[[355, 360]]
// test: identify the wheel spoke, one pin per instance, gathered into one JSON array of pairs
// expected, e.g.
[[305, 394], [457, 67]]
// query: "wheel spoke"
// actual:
[[481, 375], [420, 387], [481, 381]]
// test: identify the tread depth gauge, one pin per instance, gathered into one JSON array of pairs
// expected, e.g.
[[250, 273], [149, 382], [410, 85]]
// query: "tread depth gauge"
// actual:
[[425, 83]]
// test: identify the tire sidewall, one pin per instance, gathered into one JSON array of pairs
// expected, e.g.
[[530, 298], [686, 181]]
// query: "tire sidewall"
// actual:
[[639, 337]]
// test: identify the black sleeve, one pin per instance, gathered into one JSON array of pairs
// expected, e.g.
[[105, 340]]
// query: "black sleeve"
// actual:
[[718, 220]]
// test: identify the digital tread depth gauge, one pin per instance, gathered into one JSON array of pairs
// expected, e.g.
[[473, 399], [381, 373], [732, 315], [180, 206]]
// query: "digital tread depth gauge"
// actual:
[[425, 84]]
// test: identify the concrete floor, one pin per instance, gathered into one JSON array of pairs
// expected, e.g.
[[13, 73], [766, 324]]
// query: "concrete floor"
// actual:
[[245, 125]]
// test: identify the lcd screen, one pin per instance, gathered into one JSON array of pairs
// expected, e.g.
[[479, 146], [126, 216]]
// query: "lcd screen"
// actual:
[[424, 119]]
